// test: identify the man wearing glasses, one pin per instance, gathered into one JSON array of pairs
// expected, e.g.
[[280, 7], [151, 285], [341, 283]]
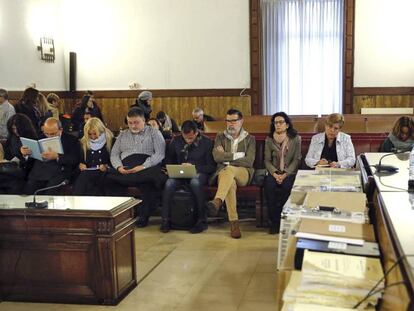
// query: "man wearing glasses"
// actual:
[[234, 151]]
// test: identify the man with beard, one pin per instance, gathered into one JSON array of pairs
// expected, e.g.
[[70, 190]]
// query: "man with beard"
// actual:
[[234, 151], [136, 156]]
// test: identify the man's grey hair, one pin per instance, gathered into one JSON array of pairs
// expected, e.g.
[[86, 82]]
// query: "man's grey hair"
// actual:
[[198, 110], [4, 94]]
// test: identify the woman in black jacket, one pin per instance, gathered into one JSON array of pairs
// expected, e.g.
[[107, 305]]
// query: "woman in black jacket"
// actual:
[[28, 105], [96, 145], [12, 180], [87, 105]]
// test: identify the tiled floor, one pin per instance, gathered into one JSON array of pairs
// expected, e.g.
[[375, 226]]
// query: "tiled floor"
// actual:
[[208, 271]]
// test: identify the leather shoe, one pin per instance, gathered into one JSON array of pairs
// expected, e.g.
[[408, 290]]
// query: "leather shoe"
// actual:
[[142, 222], [198, 227], [213, 206], [165, 226], [273, 229], [235, 230]]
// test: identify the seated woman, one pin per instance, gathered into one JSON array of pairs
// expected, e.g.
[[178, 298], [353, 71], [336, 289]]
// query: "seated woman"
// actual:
[[282, 158], [155, 123], [18, 126], [331, 148], [87, 105], [96, 147], [401, 138]]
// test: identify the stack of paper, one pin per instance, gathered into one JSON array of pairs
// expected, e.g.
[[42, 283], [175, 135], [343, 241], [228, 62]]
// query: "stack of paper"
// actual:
[[334, 280], [336, 231]]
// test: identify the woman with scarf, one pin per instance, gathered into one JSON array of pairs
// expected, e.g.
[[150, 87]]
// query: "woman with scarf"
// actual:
[[401, 137], [282, 159], [96, 146]]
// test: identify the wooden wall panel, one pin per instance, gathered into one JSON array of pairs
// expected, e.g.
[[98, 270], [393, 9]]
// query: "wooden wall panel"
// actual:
[[382, 101], [114, 110]]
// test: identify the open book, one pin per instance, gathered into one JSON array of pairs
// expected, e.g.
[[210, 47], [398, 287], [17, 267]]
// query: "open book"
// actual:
[[39, 146]]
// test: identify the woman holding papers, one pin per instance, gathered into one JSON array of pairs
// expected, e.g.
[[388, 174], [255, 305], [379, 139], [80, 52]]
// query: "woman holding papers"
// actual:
[[282, 158], [96, 145], [331, 148], [401, 137]]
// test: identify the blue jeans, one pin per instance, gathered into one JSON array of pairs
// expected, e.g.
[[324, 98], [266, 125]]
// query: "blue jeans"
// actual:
[[196, 186]]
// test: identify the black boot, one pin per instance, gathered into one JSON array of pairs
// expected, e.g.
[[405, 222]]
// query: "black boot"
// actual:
[[142, 221], [199, 227], [165, 226]]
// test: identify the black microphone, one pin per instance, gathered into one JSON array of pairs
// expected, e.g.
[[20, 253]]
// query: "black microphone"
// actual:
[[43, 204], [388, 168]]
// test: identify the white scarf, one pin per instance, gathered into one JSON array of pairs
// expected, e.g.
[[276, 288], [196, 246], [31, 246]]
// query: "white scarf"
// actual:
[[97, 144]]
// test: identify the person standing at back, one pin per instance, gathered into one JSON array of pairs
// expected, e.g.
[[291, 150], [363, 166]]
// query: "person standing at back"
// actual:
[[143, 102], [6, 112]]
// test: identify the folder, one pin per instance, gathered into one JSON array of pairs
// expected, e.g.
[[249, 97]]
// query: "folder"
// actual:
[[39, 146], [336, 231], [342, 201], [369, 249]]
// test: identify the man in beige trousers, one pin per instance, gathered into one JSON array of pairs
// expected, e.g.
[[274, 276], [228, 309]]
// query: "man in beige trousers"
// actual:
[[234, 151]]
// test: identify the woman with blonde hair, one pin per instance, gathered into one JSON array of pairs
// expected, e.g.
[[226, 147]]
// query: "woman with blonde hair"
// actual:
[[331, 148], [96, 145], [43, 107]]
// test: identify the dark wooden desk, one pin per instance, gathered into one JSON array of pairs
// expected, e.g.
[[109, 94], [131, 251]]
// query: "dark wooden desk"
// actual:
[[79, 250]]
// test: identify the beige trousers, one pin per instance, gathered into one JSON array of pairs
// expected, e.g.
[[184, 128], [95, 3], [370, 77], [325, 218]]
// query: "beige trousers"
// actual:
[[228, 179]]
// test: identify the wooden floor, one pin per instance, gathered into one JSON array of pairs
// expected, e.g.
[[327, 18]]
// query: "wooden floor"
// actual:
[[207, 271]]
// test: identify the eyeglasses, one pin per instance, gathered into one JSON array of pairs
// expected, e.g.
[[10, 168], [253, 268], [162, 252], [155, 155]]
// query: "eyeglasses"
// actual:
[[232, 121], [279, 122]]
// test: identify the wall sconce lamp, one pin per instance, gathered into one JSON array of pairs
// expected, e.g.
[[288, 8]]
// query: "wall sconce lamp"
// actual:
[[47, 49]]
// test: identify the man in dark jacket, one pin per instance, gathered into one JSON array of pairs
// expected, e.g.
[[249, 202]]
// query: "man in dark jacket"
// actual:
[[143, 102], [55, 167], [199, 118], [190, 148]]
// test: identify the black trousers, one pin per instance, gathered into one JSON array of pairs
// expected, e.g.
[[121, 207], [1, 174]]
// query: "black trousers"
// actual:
[[196, 186], [276, 196], [150, 181], [10, 184], [90, 183], [32, 185]]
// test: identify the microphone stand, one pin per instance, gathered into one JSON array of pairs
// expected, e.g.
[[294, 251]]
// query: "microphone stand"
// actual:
[[43, 204], [387, 168]]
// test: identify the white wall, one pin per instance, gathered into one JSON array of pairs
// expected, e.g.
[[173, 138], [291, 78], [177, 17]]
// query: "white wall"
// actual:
[[384, 43], [22, 23], [160, 44]]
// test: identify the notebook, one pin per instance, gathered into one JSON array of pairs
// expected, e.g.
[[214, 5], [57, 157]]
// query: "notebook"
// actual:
[[181, 171]]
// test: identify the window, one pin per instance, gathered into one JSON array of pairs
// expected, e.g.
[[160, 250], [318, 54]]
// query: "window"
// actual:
[[302, 56]]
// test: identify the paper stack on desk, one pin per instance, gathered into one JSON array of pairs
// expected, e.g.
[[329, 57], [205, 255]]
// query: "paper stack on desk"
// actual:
[[334, 280], [336, 231]]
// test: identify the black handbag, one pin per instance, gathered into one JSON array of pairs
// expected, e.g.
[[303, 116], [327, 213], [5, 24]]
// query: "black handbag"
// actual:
[[11, 169]]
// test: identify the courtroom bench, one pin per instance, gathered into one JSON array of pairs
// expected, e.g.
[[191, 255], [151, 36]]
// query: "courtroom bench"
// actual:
[[363, 142]]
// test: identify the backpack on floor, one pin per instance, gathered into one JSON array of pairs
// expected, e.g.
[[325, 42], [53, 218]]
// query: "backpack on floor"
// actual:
[[183, 209]]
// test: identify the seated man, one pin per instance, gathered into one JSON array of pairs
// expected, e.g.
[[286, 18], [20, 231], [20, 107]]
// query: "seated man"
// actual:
[[190, 148], [56, 167], [234, 151], [136, 156], [199, 117]]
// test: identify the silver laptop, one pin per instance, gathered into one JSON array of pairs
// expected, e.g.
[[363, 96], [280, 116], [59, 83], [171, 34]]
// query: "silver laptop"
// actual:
[[181, 171]]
